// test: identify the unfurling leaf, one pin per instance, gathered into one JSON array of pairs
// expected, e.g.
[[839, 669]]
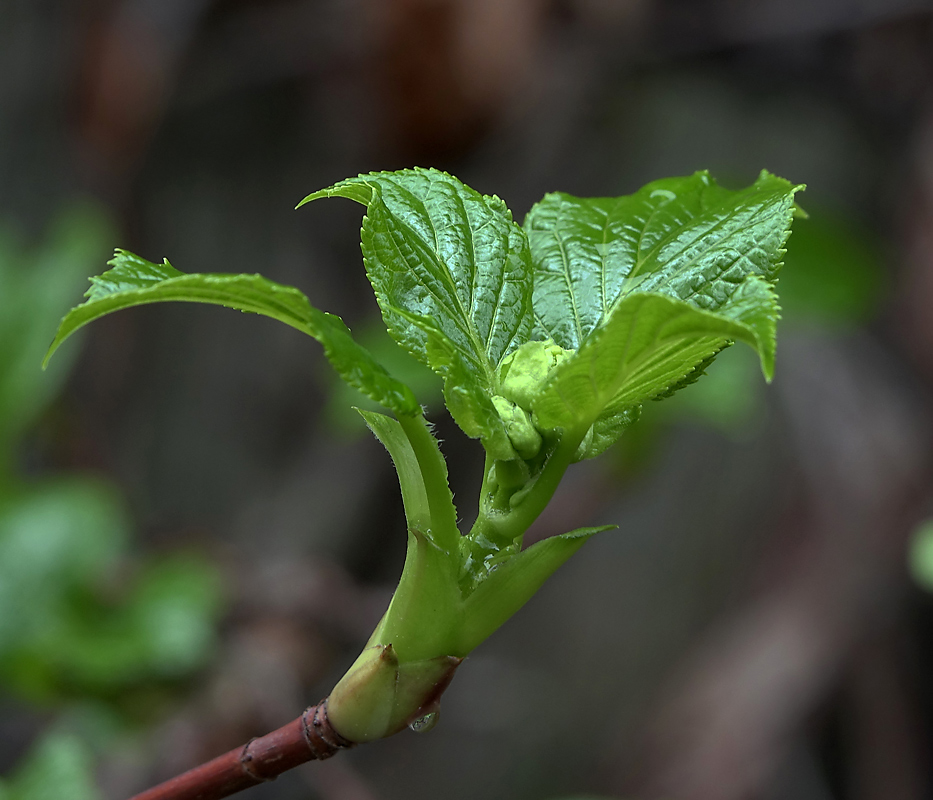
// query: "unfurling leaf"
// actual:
[[513, 583], [649, 343], [133, 281]]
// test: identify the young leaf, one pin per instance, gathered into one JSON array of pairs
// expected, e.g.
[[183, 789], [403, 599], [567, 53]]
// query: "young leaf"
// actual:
[[422, 475], [513, 583], [393, 438], [133, 281], [684, 237], [608, 427], [648, 344], [467, 398], [452, 274], [36, 288]]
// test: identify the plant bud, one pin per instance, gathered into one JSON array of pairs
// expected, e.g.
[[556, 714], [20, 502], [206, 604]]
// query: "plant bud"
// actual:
[[521, 430], [360, 705], [524, 372], [380, 696]]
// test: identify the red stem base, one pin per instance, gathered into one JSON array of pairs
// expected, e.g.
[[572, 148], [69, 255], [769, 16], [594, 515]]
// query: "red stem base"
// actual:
[[308, 738]]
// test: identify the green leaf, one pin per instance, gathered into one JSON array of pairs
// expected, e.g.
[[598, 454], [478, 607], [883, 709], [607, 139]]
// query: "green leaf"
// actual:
[[54, 538], [452, 274], [833, 274], [414, 495], [343, 401], [648, 344], [59, 767], [393, 438], [134, 281], [513, 583], [684, 237], [422, 475], [920, 555], [467, 398], [608, 428], [36, 288], [443, 530]]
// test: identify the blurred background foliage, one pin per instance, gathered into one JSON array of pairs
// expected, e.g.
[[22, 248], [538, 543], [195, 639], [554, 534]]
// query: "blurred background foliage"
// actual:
[[197, 536], [84, 621]]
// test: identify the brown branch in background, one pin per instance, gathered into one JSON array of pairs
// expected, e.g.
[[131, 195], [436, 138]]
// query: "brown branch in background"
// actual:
[[308, 738], [739, 709], [132, 59]]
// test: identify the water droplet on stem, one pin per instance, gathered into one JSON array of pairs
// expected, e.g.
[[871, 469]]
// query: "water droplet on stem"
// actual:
[[425, 723]]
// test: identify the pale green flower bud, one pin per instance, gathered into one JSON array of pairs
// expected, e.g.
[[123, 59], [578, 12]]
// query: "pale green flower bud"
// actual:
[[524, 372], [522, 433]]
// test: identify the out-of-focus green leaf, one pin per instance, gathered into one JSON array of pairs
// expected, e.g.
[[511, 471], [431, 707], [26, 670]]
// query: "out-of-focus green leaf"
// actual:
[[59, 767], [920, 555], [161, 630], [68, 623], [52, 539], [173, 610], [36, 287], [729, 397], [133, 281], [833, 273]]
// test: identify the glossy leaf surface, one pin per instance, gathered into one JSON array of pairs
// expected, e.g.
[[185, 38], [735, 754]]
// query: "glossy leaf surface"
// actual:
[[648, 288], [684, 237], [649, 343], [452, 274]]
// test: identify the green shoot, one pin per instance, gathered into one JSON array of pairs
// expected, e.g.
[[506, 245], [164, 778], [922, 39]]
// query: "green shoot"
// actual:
[[549, 337]]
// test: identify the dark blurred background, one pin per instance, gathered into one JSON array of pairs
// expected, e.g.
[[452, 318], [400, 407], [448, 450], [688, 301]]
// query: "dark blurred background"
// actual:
[[196, 536]]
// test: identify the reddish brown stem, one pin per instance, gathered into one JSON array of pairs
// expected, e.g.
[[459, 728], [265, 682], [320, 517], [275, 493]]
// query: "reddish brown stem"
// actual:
[[308, 738]]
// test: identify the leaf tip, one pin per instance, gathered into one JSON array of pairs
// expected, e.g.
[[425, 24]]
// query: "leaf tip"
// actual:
[[766, 357], [352, 188], [588, 533], [767, 369], [309, 198], [48, 355]]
